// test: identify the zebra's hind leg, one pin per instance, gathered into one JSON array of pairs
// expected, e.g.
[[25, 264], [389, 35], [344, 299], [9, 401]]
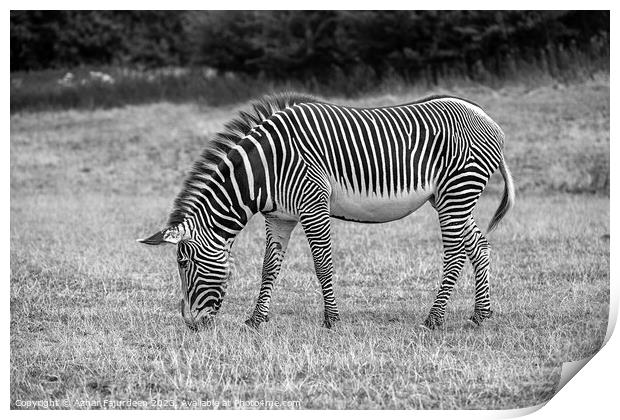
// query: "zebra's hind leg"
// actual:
[[278, 233], [477, 249], [454, 256], [317, 226]]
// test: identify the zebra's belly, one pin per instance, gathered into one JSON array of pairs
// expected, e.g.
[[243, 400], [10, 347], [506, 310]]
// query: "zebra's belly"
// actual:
[[375, 208]]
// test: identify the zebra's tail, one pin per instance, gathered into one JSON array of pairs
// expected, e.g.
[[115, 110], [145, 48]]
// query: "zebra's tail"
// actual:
[[508, 198]]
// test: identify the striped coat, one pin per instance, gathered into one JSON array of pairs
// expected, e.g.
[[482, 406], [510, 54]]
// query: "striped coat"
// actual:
[[299, 160]]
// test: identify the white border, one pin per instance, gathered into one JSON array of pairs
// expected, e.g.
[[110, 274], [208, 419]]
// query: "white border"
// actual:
[[593, 393]]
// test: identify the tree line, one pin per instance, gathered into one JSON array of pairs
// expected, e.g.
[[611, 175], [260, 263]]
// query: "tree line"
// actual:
[[285, 45]]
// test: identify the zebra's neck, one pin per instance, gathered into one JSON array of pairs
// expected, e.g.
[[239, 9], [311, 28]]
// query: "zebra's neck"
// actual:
[[224, 193]]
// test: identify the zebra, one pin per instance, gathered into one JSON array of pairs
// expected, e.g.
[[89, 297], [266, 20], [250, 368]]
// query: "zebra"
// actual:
[[301, 160]]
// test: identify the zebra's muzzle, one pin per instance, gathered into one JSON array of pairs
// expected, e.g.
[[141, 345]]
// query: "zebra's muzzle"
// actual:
[[191, 323]]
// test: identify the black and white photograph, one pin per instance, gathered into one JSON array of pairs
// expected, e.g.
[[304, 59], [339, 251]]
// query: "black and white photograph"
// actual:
[[306, 209]]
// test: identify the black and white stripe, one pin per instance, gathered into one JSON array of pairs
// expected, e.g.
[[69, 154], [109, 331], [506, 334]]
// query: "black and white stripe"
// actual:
[[299, 160]]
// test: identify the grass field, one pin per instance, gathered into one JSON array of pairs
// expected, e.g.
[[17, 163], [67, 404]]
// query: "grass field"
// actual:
[[94, 315]]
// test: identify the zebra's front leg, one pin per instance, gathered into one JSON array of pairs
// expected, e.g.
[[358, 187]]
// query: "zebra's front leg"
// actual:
[[453, 260], [278, 233], [317, 226]]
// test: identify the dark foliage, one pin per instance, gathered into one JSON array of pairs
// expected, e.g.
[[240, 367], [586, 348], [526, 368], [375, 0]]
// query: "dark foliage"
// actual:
[[61, 39], [217, 57], [301, 44]]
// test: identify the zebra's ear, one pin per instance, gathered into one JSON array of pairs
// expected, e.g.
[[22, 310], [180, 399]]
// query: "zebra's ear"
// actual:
[[156, 239], [171, 235]]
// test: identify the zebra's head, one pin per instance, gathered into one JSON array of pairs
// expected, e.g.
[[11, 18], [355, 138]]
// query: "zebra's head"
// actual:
[[205, 267]]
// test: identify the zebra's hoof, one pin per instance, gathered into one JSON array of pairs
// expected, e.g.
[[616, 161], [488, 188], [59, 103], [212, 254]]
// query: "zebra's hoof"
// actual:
[[330, 322], [432, 322], [252, 324], [200, 325], [478, 317], [256, 319]]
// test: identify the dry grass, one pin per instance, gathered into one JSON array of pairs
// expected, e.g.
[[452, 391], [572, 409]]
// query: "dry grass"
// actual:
[[94, 315]]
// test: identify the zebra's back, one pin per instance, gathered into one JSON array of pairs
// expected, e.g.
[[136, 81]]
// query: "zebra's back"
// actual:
[[384, 163]]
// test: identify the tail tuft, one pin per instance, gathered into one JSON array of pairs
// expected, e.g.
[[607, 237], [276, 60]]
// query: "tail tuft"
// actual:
[[508, 199]]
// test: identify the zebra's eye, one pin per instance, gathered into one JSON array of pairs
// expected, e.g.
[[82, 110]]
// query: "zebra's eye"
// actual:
[[183, 263]]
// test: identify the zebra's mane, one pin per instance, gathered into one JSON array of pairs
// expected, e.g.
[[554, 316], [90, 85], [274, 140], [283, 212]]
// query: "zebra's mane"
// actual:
[[224, 141]]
